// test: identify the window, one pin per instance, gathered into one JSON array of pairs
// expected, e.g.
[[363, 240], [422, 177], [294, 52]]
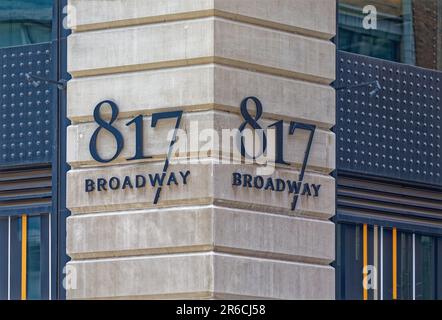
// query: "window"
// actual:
[[34, 254], [25, 22], [395, 264], [407, 31], [3, 258], [24, 257], [425, 267]]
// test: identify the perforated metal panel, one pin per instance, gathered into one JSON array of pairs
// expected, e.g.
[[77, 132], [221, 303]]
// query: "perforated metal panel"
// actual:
[[396, 133], [25, 109]]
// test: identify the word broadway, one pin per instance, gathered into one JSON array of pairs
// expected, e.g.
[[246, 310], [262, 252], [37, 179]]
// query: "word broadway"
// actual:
[[275, 185], [138, 181]]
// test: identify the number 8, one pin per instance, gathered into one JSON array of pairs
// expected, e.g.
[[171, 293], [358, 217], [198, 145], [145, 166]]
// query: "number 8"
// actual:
[[107, 126]]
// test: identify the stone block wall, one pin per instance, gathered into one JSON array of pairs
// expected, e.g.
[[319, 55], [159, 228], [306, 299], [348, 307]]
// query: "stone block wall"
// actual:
[[206, 237]]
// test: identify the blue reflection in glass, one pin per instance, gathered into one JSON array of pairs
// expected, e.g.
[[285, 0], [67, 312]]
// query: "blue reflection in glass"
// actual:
[[25, 22], [4, 235], [34, 274]]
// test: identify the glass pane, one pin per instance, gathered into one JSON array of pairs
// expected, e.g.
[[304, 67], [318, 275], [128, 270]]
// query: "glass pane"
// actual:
[[34, 274], [407, 31], [37, 257], [351, 262], [370, 263], [405, 265], [387, 259], [15, 258], [425, 267], [339, 262], [25, 22], [439, 268], [4, 258]]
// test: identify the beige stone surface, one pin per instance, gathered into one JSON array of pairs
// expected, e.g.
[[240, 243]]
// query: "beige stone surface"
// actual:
[[251, 277], [196, 129], [119, 13], [201, 41], [148, 277], [208, 183], [194, 229], [206, 238], [283, 237], [202, 87], [311, 17], [316, 18], [198, 190], [141, 47], [275, 52], [201, 275], [134, 233], [322, 207]]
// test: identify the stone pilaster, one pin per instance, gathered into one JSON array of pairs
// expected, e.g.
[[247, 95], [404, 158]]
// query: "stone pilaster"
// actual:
[[205, 238]]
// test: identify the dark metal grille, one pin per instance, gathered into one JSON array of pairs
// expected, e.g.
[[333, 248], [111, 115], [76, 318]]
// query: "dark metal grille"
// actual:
[[396, 132], [22, 189], [26, 126], [387, 204]]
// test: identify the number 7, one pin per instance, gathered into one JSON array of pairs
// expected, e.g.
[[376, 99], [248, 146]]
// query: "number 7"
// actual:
[[312, 129], [160, 116]]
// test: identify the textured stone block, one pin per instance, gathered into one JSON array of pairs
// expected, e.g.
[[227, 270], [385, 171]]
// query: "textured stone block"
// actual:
[[199, 88], [305, 16], [201, 41], [207, 236], [251, 277], [196, 128], [207, 183], [204, 275], [193, 229], [165, 276]]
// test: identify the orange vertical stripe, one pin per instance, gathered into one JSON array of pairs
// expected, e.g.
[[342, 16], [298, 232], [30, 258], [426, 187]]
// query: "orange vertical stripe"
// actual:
[[365, 259], [394, 264], [24, 240]]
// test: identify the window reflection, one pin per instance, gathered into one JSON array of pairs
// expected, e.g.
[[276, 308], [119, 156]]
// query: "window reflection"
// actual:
[[34, 260], [409, 261], [35, 268], [4, 239], [352, 262], [25, 22], [425, 268], [405, 266], [407, 31]]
